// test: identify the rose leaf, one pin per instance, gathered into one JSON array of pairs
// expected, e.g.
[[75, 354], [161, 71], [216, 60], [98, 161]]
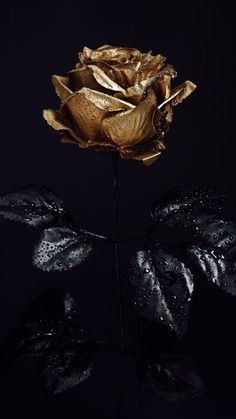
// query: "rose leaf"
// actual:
[[68, 364], [187, 206], [50, 331], [214, 254], [162, 288], [170, 377], [34, 205], [60, 249]]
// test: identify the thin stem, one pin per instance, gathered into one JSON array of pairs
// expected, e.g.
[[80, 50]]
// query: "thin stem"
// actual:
[[98, 236], [118, 279], [117, 247]]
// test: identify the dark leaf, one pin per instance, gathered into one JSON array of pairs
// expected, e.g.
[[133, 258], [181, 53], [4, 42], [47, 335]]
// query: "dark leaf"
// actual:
[[50, 330], [214, 255], [172, 378], [51, 307], [162, 287], [187, 206], [68, 364], [54, 313], [60, 249], [19, 343], [34, 205], [219, 234]]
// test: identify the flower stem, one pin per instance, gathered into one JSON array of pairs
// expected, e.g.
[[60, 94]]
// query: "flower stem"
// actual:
[[118, 279], [117, 247]]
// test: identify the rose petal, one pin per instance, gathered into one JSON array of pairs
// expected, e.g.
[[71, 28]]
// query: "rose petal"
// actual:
[[147, 158], [126, 73], [168, 70], [183, 91], [83, 77], [146, 57], [55, 120], [119, 55], [61, 85], [145, 73], [98, 145], [105, 46], [88, 108], [147, 155], [133, 126], [135, 93], [86, 116], [84, 56], [68, 140], [179, 93], [106, 102], [154, 61], [122, 74], [104, 80], [162, 87], [151, 68]]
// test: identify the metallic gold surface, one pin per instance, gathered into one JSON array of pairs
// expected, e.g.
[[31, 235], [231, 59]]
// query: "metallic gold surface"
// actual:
[[117, 98]]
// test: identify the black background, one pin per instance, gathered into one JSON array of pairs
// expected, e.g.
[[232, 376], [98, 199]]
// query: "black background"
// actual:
[[42, 38]]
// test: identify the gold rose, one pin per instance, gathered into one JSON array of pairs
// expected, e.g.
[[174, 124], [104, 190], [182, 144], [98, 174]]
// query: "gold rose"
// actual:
[[117, 99]]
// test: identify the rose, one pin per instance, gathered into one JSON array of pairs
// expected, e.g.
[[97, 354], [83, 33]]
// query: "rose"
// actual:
[[117, 99]]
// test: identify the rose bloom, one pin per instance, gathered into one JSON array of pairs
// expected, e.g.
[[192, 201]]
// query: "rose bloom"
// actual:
[[117, 99]]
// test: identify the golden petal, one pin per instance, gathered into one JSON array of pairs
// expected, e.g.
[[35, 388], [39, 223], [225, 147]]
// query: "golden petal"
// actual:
[[134, 126], [154, 67], [162, 87], [60, 123], [55, 120], [126, 74], [87, 117], [68, 140], [83, 77], [182, 91], [145, 73], [156, 62], [84, 56], [136, 93], [102, 78], [122, 74], [152, 152], [88, 108], [61, 85], [167, 70], [146, 57], [179, 93], [108, 54], [105, 46], [106, 102], [169, 113], [148, 157]]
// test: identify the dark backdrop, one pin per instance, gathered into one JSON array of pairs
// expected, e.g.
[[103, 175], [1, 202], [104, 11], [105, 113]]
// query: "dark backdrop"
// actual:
[[42, 38]]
